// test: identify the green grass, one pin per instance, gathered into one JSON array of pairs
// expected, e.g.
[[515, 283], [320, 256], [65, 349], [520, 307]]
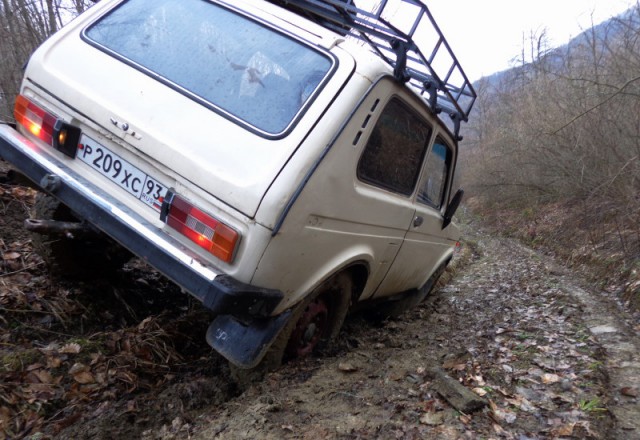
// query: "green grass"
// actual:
[[591, 405]]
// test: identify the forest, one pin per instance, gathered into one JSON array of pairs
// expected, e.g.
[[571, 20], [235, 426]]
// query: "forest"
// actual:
[[552, 151]]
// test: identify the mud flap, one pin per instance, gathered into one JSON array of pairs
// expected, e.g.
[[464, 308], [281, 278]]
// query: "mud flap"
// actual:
[[245, 344]]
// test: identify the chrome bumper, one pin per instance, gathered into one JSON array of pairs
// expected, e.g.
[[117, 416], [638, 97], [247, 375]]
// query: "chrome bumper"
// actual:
[[217, 291]]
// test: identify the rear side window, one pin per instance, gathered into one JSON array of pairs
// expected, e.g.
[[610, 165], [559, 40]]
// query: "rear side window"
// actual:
[[393, 156], [436, 173], [246, 70]]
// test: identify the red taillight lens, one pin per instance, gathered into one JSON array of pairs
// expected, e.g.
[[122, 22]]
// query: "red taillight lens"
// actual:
[[46, 126], [40, 123], [202, 229]]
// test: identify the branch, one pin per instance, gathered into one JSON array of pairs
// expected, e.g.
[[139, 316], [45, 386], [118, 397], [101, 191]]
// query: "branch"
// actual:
[[522, 185], [610, 181], [601, 103]]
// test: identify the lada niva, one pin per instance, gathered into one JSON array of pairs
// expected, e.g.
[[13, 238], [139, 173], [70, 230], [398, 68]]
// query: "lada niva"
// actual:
[[281, 161]]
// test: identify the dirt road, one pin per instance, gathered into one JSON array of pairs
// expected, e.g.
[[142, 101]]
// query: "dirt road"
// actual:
[[552, 358], [548, 355]]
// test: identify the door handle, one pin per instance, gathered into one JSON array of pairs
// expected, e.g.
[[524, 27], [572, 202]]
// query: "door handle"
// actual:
[[417, 221]]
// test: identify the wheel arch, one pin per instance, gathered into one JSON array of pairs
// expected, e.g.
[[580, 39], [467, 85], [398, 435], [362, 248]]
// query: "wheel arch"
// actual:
[[359, 273], [358, 270]]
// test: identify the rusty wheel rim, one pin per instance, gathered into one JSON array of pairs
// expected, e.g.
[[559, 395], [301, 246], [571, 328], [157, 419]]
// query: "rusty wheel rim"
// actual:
[[309, 329]]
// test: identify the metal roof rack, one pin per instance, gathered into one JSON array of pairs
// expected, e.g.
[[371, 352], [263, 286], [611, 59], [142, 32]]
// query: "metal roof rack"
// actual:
[[405, 35]]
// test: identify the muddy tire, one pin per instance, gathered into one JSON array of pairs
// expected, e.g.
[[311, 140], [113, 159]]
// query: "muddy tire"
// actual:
[[82, 259], [315, 323]]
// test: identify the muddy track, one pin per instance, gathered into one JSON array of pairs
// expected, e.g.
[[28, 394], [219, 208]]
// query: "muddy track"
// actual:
[[552, 358]]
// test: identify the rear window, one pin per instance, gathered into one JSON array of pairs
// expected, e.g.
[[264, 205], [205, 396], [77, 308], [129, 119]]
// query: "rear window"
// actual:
[[229, 62]]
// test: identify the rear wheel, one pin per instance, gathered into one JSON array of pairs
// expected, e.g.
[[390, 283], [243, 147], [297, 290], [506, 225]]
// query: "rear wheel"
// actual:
[[76, 258], [314, 324]]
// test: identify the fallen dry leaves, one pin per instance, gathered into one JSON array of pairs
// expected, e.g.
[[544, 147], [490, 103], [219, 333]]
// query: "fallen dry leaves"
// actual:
[[49, 366], [65, 375]]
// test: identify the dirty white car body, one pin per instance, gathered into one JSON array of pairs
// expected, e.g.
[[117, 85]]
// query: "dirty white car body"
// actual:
[[248, 153]]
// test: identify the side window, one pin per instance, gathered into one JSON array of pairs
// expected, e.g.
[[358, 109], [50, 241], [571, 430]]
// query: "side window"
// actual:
[[394, 152], [435, 175]]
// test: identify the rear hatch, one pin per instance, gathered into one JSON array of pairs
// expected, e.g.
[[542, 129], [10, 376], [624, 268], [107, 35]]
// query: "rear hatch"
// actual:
[[201, 93]]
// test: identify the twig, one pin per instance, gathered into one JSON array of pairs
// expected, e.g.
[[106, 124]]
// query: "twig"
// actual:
[[623, 242], [21, 270], [610, 181], [47, 331], [601, 103], [29, 311], [66, 408]]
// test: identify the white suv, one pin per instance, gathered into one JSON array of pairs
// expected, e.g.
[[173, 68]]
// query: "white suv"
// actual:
[[280, 162]]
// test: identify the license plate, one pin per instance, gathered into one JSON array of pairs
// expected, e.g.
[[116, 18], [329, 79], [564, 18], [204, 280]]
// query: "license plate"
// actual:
[[130, 178]]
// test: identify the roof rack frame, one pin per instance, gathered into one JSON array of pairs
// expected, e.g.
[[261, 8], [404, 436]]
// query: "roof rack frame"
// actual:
[[446, 85]]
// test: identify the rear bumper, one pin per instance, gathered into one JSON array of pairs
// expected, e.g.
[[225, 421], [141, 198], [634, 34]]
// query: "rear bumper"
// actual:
[[219, 292]]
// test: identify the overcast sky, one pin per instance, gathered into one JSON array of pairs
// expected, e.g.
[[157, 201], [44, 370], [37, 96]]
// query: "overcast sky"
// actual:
[[487, 35]]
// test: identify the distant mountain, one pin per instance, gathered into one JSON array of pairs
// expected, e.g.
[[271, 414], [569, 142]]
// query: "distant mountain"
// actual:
[[603, 34]]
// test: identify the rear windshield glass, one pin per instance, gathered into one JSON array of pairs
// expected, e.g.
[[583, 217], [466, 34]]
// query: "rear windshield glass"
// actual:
[[242, 68]]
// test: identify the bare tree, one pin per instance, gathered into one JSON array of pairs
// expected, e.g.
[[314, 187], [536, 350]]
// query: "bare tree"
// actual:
[[563, 126], [24, 24]]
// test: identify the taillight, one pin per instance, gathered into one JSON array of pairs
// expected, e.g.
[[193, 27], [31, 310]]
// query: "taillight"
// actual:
[[199, 227], [46, 126]]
